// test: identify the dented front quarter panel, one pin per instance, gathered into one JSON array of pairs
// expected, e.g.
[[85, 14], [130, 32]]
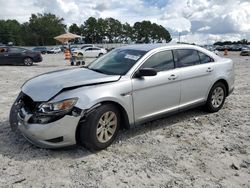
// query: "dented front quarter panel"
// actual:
[[119, 92]]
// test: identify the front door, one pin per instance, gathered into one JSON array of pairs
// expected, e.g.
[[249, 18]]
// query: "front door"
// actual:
[[156, 95]]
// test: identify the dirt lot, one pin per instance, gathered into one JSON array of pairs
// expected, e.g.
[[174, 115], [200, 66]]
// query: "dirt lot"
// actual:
[[191, 149]]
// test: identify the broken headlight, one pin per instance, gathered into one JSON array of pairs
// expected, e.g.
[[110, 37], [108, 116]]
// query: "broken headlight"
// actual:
[[57, 107]]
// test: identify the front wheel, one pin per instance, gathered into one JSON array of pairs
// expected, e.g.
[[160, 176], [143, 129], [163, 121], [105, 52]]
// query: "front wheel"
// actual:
[[101, 127], [216, 97], [27, 61]]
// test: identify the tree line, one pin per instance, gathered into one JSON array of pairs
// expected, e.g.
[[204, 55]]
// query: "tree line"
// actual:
[[39, 30], [42, 28], [111, 30], [243, 41]]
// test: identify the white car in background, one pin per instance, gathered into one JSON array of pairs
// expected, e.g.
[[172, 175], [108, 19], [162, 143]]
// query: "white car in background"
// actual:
[[54, 50], [90, 52]]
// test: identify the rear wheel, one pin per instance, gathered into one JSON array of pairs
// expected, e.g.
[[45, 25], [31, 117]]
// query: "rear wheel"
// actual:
[[28, 61], [100, 54], [101, 127], [216, 97]]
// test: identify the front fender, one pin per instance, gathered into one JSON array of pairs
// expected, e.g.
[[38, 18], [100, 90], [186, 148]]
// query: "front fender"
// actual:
[[89, 96]]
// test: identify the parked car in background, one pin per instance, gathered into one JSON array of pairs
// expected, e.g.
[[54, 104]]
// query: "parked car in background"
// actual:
[[73, 48], [212, 49], [18, 56], [90, 52], [54, 50], [245, 52], [130, 85], [42, 50]]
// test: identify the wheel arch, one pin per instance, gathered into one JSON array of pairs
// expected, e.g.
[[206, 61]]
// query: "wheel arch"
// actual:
[[28, 57], [222, 80], [226, 85], [124, 117]]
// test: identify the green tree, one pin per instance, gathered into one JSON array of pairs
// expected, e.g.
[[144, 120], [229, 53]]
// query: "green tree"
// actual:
[[102, 26], [75, 29], [10, 31], [90, 30], [45, 27], [114, 29], [146, 32], [127, 33]]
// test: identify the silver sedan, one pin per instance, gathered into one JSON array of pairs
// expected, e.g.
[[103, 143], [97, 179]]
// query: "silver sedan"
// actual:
[[129, 85]]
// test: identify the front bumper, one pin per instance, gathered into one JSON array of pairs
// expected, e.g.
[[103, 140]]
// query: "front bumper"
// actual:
[[60, 133], [38, 59]]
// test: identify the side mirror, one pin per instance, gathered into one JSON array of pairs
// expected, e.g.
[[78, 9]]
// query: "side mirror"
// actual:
[[145, 72]]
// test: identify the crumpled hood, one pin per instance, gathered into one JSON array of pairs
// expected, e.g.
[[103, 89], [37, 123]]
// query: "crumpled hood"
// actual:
[[46, 86]]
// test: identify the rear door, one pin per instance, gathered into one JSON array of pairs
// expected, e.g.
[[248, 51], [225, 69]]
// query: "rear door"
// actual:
[[96, 52], [88, 52], [156, 95], [197, 72]]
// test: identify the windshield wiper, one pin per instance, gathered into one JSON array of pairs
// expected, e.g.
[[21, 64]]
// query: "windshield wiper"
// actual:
[[97, 70]]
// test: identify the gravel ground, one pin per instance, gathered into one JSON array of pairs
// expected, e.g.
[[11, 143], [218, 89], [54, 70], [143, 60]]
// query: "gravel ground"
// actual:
[[190, 149]]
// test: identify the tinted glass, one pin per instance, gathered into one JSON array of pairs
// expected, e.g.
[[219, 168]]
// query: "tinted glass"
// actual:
[[187, 57], [204, 58], [17, 50], [88, 49], [160, 61], [95, 49], [117, 62]]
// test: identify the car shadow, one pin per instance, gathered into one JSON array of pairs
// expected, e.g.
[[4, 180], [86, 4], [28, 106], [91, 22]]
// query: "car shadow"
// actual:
[[161, 123], [14, 146]]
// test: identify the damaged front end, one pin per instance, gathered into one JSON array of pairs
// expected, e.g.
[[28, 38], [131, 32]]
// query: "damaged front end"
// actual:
[[46, 124]]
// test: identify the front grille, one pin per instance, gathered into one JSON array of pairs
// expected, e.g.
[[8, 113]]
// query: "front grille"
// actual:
[[28, 103]]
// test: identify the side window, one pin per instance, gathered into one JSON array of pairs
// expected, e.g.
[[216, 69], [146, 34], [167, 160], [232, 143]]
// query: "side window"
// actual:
[[187, 57], [16, 50], [160, 61], [88, 49], [95, 48], [204, 58]]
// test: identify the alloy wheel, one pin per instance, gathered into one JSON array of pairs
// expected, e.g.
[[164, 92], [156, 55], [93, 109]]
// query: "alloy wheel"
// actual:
[[217, 97], [28, 61], [106, 127]]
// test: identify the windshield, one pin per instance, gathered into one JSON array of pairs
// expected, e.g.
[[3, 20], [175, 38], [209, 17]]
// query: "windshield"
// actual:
[[117, 62]]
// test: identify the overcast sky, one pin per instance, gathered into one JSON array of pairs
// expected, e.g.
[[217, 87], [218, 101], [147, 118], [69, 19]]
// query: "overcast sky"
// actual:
[[199, 21]]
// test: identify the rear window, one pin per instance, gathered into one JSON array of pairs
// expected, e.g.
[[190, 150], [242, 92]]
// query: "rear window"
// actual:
[[17, 50], [204, 58], [187, 57]]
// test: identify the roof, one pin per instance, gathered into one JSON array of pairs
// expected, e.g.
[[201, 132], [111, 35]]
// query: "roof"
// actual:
[[148, 47]]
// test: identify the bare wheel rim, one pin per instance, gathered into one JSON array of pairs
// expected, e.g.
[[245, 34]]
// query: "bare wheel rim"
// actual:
[[28, 61], [106, 127], [217, 97]]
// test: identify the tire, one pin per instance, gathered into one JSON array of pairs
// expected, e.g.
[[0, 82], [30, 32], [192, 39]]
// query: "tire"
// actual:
[[13, 118], [216, 97], [100, 54], [95, 135], [28, 61]]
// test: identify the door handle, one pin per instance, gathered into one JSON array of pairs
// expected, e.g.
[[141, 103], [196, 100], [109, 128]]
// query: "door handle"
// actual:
[[209, 69], [172, 77]]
